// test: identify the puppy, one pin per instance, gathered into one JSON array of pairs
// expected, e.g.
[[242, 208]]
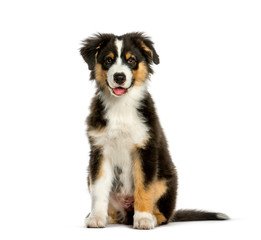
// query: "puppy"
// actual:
[[131, 176]]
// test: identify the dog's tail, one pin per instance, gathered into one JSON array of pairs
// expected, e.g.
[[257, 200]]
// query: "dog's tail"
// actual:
[[195, 215]]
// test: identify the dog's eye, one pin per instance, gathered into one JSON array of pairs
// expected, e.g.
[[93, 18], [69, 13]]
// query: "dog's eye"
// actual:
[[131, 60], [108, 60]]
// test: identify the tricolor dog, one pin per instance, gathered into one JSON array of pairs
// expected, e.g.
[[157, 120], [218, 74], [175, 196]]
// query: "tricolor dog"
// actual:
[[131, 177]]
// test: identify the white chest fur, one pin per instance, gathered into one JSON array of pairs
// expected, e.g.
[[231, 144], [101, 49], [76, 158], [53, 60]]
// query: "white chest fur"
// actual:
[[125, 128]]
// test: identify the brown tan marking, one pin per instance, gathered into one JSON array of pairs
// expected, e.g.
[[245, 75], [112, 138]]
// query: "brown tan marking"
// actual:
[[112, 215], [111, 55], [101, 76], [143, 196], [145, 47], [128, 55], [140, 75], [159, 216], [99, 46], [94, 134], [160, 189], [99, 175], [96, 131], [101, 171], [141, 145]]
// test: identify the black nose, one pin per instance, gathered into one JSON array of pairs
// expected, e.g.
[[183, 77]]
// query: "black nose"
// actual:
[[119, 78]]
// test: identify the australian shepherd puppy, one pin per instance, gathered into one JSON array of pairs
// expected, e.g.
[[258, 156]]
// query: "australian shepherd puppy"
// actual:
[[131, 176]]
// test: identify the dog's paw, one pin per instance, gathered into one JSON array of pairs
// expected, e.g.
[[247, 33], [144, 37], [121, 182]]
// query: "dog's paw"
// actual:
[[94, 221], [144, 220]]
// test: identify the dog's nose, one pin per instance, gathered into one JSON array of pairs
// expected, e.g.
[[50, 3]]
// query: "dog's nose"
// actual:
[[119, 78]]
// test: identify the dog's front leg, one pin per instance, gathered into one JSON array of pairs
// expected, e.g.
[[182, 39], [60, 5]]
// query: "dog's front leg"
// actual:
[[100, 187], [144, 176]]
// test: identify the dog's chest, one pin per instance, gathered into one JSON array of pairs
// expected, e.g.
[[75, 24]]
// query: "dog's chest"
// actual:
[[125, 129]]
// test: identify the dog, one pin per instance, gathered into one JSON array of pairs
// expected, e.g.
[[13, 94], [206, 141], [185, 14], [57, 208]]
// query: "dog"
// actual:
[[131, 177]]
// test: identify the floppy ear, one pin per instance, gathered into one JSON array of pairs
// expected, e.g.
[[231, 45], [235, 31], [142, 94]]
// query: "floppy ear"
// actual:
[[91, 46], [146, 45]]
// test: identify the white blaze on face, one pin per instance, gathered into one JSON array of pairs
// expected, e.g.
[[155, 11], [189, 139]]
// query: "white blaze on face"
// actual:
[[119, 67]]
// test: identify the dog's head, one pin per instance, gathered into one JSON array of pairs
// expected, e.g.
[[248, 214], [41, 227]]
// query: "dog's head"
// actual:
[[119, 63]]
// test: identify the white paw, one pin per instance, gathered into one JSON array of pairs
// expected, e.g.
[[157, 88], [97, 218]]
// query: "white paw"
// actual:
[[95, 221], [144, 220]]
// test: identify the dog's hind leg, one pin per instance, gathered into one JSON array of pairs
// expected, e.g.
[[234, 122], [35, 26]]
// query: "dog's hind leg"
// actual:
[[143, 196]]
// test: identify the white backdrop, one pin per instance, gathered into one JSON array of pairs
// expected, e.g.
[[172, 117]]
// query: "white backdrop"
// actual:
[[207, 92]]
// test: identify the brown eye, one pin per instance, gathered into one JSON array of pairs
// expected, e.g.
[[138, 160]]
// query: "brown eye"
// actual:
[[131, 60], [108, 60]]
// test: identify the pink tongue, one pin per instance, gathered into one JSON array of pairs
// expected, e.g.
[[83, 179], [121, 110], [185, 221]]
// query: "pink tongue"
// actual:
[[119, 90]]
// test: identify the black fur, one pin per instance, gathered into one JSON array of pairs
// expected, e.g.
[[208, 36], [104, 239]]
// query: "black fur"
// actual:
[[92, 45], [157, 160], [95, 162], [196, 215], [137, 38], [96, 118]]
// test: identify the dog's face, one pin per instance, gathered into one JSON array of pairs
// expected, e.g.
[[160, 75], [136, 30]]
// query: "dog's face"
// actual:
[[119, 63]]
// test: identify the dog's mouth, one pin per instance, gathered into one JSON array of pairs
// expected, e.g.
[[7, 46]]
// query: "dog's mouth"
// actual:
[[119, 90]]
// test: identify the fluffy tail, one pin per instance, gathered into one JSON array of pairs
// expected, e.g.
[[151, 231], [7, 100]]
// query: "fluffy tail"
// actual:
[[195, 215]]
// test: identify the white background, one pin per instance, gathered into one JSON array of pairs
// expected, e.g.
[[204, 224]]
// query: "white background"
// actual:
[[207, 92]]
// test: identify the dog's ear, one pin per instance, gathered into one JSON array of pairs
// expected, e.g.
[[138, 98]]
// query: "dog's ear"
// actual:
[[91, 47], [146, 46]]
